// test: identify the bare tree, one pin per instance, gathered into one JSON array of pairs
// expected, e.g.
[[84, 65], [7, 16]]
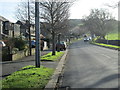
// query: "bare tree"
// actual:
[[22, 11], [113, 5], [98, 22], [55, 14]]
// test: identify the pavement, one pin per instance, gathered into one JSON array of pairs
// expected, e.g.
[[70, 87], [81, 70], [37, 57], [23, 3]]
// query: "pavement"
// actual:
[[90, 66], [9, 67], [84, 66], [12, 66]]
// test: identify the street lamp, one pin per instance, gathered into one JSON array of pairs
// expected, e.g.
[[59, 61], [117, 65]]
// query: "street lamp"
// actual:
[[28, 23], [37, 34]]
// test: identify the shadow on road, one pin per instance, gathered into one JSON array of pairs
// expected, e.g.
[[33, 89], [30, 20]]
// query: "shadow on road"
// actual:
[[105, 80]]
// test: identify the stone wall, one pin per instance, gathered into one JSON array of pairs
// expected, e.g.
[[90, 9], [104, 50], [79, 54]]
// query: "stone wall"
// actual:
[[22, 54]]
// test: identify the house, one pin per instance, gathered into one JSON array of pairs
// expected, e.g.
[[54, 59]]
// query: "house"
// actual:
[[24, 29], [2, 20], [16, 30], [8, 29]]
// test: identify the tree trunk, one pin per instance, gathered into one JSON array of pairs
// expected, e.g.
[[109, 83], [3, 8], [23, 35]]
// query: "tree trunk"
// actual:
[[53, 43]]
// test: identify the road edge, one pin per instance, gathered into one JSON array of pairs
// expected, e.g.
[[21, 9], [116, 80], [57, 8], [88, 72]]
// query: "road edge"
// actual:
[[55, 77], [106, 47]]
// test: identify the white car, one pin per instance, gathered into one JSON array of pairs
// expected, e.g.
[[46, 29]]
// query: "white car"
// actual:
[[2, 44], [86, 39]]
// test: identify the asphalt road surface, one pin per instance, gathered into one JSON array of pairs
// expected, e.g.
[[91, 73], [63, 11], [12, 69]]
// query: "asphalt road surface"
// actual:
[[90, 66]]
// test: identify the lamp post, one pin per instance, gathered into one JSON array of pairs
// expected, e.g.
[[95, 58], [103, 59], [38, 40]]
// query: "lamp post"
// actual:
[[37, 34], [29, 29]]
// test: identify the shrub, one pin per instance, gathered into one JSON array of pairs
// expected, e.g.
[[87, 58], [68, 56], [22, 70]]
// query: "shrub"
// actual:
[[16, 42], [19, 43], [15, 50]]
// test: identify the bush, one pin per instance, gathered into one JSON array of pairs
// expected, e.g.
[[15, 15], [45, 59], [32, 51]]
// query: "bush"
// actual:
[[15, 50], [16, 43], [19, 43]]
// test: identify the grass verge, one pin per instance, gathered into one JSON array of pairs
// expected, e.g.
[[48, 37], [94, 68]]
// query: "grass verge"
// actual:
[[113, 46], [50, 57], [28, 77], [113, 36]]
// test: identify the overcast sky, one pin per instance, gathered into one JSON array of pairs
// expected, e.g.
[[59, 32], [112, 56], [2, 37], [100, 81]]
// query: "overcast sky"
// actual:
[[83, 7], [77, 11]]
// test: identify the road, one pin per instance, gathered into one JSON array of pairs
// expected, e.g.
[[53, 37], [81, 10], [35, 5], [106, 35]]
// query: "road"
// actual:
[[90, 66]]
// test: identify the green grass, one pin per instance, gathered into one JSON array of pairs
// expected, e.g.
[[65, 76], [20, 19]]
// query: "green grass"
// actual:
[[107, 45], [28, 77], [113, 36], [50, 57]]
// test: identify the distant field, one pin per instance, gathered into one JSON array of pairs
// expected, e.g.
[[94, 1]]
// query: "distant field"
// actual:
[[113, 36]]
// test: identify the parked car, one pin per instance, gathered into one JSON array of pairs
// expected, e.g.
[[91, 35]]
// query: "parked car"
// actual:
[[41, 44], [61, 46], [33, 43], [2, 44]]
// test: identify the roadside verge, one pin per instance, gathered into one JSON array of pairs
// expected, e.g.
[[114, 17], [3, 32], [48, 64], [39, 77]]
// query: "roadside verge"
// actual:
[[55, 77], [107, 46]]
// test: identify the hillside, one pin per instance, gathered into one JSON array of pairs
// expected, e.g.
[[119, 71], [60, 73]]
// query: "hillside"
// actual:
[[74, 22]]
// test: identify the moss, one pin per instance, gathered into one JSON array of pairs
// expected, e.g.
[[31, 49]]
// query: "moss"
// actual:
[[28, 77]]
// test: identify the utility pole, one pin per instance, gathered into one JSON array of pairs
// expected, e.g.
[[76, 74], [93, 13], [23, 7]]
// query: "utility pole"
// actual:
[[29, 28], [37, 34]]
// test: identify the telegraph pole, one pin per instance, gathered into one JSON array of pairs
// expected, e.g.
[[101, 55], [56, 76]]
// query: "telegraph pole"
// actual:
[[37, 34], [29, 28]]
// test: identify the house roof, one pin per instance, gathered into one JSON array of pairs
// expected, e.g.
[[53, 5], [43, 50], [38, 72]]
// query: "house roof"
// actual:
[[3, 19]]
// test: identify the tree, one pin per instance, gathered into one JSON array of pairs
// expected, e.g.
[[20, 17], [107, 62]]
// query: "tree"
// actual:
[[113, 5], [55, 14], [98, 22], [22, 11]]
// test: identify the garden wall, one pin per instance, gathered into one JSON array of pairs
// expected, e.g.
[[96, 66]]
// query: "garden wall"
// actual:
[[22, 54]]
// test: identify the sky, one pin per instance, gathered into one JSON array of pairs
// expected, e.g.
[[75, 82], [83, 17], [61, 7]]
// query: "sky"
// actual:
[[79, 9], [82, 7]]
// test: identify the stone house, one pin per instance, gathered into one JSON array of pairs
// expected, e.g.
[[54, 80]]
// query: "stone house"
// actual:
[[8, 29]]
